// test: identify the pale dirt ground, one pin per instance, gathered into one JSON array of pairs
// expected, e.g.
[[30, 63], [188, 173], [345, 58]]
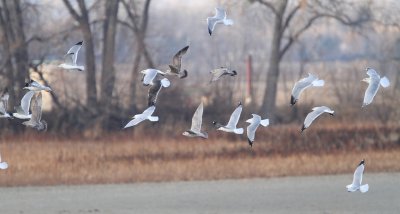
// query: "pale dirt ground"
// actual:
[[319, 194]]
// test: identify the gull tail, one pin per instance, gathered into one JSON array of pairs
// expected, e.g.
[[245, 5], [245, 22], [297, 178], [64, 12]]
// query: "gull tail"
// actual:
[[318, 83], [384, 82], [165, 83], [364, 188], [265, 122], [153, 118], [228, 22], [238, 131]]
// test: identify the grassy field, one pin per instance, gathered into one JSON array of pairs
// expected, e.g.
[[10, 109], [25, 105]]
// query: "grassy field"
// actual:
[[123, 159]]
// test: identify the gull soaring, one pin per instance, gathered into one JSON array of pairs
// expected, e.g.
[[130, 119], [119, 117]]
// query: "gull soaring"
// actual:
[[219, 18], [71, 58], [146, 115], [374, 81], [317, 111], [304, 83]]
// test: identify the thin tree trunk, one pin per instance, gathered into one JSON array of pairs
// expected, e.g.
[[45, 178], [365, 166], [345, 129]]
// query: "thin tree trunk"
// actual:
[[269, 100]]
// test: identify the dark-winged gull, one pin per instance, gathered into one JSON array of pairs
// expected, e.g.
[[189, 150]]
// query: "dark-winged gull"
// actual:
[[219, 18], [304, 83], [195, 129], [233, 120], [22, 111], [216, 74], [175, 67], [254, 123], [357, 180], [317, 111], [36, 118], [374, 81], [146, 115], [155, 89], [71, 58]]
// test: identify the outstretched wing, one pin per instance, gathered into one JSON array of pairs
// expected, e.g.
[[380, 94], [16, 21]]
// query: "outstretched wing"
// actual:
[[234, 119], [357, 177], [197, 119], [312, 116], [26, 102], [72, 53], [4, 101], [153, 92], [217, 73], [36, 108], [177, 60]]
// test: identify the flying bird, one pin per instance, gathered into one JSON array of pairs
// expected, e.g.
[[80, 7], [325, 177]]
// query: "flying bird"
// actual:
[[219, 18], [155, 89], [175, 67], [317, 111], [254, 123], [304, 83], [216, 74], [3, 165], [22, 111], [149, 75], [233, 120], [146, 115], [357, 180], [195, 129], [374, 81], [4, 104], [71, 57], [32, 85], [36, 118]]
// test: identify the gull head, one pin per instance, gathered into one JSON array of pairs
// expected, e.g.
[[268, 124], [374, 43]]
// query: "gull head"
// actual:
[[186, 133]]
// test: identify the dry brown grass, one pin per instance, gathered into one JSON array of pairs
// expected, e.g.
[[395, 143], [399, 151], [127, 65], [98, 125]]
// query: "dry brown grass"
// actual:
[[119, 159]]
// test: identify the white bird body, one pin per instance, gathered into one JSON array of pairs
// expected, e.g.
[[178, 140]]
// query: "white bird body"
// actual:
[[317, 111], [357, 180], [36, 119], [3, 165], [254, 123], [149, 75], [71, 58], [22, 111], [146, 115], [303, 84], [233, 120], [218, 18], [35, 86], [374, 82], [195, 129]]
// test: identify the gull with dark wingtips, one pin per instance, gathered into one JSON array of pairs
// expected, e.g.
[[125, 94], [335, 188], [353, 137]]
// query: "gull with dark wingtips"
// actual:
[[146, 115], [254, 123], [216, 74], [71, 58], [357, 180], [304, 83], [32, 85], [219, 18], [317, 111]]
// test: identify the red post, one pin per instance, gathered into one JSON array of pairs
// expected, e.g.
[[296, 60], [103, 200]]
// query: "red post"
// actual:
[[249, 71]]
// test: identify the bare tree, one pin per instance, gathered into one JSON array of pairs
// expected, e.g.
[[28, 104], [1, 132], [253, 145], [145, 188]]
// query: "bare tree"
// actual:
[[108, 70], [84, 24], [304, 14], [138, 24]]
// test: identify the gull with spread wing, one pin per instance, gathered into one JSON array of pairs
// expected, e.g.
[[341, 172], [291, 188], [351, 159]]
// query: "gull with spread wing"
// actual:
[[32, 85], [254, 123], [304, 83], [22, 111], [146, 115], [219, 18], [216, 74], [374, 81], [195, 129], [36, 118], [357, 180], [149, 75], [317, 111], [175, 67], [71, 58], [233, 120]]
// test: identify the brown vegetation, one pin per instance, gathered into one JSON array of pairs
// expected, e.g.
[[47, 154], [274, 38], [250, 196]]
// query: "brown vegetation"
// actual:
[[278, 151]]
